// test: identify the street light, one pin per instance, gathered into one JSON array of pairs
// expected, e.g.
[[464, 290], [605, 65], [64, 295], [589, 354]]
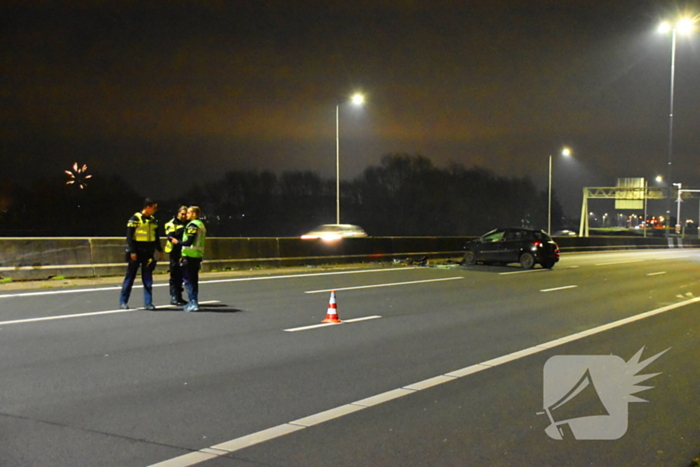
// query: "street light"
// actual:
[[684, 26], [356, 99], [566, 152], [678, 211]]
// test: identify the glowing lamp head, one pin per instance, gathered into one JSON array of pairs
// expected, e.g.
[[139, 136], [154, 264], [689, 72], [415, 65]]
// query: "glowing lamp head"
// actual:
[[358, 99], [685, 26]]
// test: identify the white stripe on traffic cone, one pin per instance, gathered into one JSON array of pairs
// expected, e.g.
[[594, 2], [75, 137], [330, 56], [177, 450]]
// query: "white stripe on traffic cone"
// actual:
[[332, 314]]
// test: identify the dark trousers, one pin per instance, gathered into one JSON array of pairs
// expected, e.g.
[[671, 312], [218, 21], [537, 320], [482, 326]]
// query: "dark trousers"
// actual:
[[190, 273], [144, 260], [175, 274]]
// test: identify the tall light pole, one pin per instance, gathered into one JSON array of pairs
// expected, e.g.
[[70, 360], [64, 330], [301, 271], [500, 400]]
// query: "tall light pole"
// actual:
[[356, 99], [685, 26], [678, 210], [564, 152]]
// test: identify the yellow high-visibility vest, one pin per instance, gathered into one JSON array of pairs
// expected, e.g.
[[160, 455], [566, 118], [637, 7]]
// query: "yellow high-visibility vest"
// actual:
[[197, 248], [145, 228], [170, 227]]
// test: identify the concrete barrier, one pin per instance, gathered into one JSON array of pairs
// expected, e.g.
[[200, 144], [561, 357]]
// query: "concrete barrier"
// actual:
[[43, 258], [622, 243]]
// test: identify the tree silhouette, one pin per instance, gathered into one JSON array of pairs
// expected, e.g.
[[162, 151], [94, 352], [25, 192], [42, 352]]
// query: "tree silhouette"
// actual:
[[405, 195]]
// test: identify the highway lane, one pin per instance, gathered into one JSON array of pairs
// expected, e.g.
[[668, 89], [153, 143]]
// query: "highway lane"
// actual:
[[490, 418], [137, 388]]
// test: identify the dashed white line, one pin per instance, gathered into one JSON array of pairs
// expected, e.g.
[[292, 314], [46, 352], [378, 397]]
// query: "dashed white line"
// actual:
[[323, 325], [656, 273], [622, 262], [214, 281], [77, 315], [392, 284], [92, 313], [559, 288], [58, 292], [525, 271], [237, 444]]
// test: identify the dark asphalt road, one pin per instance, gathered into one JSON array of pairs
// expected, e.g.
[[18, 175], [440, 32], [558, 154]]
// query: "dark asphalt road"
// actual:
[[137, 388]]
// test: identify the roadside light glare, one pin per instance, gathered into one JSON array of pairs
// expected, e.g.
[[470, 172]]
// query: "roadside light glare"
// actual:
[[358, 99], [685, 26], [566, 152]]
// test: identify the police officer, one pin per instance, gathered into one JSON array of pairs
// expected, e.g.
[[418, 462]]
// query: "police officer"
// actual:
[[192, 253], [174, 230], [143, 243]]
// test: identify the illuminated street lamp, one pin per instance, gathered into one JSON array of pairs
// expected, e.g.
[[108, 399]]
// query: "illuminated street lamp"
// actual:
[[678, 211], [684, 26], [566, 152], [356, 99]]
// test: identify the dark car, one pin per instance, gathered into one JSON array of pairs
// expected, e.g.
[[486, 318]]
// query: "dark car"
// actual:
[[502, 246]]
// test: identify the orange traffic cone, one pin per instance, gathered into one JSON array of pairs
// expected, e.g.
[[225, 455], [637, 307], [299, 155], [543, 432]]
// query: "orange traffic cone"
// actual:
[[332, 315]]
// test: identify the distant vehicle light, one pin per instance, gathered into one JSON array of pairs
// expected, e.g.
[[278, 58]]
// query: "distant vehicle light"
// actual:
[[334, 232]]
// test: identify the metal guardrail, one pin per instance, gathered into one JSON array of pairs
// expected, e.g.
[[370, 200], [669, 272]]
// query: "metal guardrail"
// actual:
[[43, 258]]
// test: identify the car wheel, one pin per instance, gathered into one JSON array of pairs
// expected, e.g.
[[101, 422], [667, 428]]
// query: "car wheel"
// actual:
[[548, 265], [527, 260], [469, 258]]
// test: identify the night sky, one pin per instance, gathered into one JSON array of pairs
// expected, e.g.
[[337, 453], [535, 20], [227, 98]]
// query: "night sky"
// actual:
[[165, 93]]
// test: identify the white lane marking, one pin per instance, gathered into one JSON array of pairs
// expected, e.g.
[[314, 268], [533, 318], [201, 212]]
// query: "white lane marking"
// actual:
[[57, 292], [313, 274], [429, 383], [330, 414], [524, 271], [323, 325], [237, 444], [78, 315], [559, 288], [92, 313], [622, 262], [392, 284], [245, 441], [214, 281], [656, 273]]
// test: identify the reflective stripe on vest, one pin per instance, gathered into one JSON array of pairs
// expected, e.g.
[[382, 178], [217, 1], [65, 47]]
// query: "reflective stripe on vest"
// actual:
[[145, 229], [171, 227], [196, 250]]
